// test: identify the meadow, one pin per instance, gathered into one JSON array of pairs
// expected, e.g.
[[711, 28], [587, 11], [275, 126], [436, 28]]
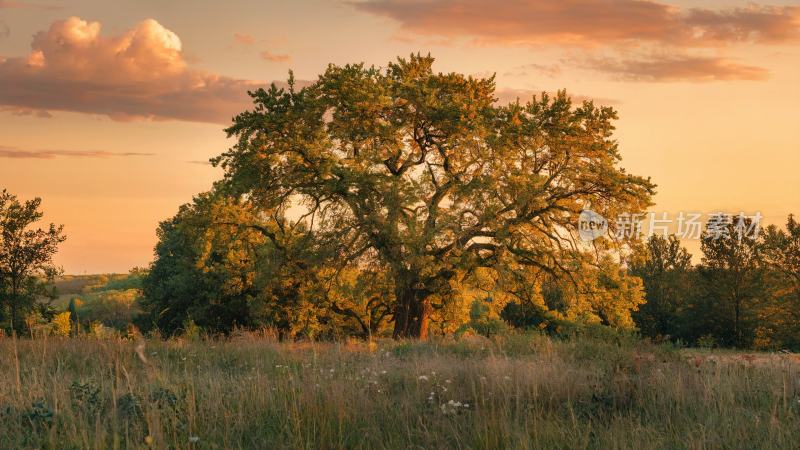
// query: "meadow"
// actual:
[[521, 391]]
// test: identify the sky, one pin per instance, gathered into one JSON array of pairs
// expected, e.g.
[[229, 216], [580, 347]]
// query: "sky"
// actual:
[[109, 111]]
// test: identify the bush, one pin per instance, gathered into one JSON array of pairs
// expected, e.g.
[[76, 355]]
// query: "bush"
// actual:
[[115, 309], [533, 318], [61, 324], [482, 322]]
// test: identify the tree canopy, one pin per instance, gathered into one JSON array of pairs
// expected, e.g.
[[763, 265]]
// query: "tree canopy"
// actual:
[[424, 175]]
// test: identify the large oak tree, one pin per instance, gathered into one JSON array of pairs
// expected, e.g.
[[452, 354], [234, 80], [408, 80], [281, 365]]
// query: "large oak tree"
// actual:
[[425, 174]]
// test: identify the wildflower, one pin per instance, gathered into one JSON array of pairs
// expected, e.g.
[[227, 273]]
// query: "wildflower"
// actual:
[[148, 441], [423, 378], [383, 372], [448, 381], [194, 439], [507, 378], [452, 407]]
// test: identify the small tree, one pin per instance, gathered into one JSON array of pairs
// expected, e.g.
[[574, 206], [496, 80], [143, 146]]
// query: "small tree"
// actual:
[[26, 256], [782, 254], [665, 267], [732, 273]]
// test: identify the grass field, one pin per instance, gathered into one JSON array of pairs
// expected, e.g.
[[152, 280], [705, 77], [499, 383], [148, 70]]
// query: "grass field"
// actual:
[[513, 392]]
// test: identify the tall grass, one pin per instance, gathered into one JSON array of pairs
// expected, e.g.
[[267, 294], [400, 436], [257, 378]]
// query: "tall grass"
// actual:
[[515, 392]]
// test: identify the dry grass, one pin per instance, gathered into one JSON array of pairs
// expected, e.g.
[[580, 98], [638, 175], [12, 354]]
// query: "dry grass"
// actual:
[[514, 392]]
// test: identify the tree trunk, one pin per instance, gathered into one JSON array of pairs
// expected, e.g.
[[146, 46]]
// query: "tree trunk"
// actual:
[[412, 310], [14, 319]]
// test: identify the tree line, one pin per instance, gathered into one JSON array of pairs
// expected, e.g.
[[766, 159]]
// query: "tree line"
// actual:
[[744, 293]]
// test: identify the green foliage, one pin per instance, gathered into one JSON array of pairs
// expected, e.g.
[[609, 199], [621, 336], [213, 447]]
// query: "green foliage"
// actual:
[[219, 264], [421, 175], [536, 318], [202, 272], [86, 397], [26, 267], [482, 321], [39, 415], [670, 284], [732, 278], [745, 293], [113, 308], [782, 255], [129, 281]]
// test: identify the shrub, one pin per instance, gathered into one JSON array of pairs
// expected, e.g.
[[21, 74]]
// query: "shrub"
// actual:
[[61, 324]]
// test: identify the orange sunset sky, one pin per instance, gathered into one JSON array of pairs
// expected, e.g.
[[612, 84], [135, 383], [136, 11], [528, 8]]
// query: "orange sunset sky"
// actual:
[[109, 110]]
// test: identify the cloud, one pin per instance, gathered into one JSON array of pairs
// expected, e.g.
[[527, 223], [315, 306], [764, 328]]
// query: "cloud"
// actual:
[[139, 74], [589, 22], [764, 24], [268, 56], [40, 113], [244, 39], [19, 4], [677, 68], [16, 153], [548, 70]]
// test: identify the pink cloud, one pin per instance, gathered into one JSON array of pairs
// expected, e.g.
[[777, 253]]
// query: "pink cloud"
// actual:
[[20, 4], [140, 74], [40, 113], [677, 68], [244, 39], [269, 56], [589, 22], [16, 153]]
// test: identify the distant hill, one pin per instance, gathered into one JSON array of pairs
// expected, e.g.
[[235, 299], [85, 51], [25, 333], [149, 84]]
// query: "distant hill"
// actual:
[[70, 286]]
